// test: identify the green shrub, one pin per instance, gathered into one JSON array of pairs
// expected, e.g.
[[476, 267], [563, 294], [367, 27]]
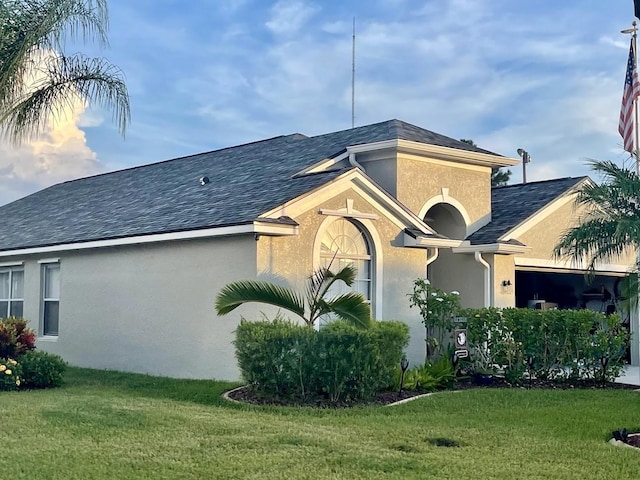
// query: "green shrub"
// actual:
[[553, 344], [275, 358], [42, 369], [283, 360], [15, 337], [10, 374]]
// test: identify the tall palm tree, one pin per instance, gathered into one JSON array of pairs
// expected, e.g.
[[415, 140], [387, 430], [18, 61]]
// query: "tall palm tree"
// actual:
[[610, 226], [309, 306], [37, 80]]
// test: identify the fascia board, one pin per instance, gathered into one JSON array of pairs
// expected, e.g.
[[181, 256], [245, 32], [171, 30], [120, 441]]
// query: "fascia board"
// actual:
[[425, 241], [499, 248], [322, 165], [251, 228]]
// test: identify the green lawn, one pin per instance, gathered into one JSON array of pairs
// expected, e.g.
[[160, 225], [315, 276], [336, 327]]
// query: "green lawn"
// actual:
[[118, 426]]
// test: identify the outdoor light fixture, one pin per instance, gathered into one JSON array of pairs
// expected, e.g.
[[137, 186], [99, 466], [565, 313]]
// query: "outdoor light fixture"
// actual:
[[526, 158]]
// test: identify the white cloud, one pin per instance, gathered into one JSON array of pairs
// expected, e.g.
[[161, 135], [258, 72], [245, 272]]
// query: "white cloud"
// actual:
[[289, 16], [59, 153]]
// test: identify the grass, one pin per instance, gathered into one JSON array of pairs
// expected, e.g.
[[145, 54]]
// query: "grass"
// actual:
[[124, 426]]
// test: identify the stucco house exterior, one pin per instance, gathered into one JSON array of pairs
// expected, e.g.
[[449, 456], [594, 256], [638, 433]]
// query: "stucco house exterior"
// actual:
[[121, 270]]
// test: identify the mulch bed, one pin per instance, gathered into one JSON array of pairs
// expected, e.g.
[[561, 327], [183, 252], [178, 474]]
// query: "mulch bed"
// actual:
[[246, 395]]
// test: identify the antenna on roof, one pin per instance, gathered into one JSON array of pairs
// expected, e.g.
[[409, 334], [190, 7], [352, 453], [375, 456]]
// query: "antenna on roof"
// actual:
[[353, 76]]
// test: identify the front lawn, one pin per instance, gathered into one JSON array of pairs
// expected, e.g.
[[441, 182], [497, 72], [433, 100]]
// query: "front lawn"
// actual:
[[119, 426]]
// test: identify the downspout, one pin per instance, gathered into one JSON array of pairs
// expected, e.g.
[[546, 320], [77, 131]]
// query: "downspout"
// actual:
[[487, 278], [430, 260], [353, 162]]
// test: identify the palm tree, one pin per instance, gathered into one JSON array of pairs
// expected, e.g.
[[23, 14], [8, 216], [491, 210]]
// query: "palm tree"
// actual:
[[309, 306], [610, 226], [37, 80]]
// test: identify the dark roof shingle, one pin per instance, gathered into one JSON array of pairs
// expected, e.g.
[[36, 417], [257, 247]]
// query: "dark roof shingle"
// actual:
[[245, 181], [513, 204]]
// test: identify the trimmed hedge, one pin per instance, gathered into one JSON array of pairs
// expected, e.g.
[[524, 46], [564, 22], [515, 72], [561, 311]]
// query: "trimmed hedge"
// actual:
[[283, 360], [578, 344]]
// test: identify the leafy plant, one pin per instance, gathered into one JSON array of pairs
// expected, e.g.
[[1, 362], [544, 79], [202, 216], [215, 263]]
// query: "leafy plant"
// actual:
[[351, 307], [430, 376], [15, 337], [437, 309], [42, 369]]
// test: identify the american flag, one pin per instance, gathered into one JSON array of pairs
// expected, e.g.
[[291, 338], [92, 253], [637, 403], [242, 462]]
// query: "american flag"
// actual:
[[631, 92]]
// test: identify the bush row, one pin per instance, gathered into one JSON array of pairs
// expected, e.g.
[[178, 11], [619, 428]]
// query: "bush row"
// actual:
[[340, 362], [575, 344]]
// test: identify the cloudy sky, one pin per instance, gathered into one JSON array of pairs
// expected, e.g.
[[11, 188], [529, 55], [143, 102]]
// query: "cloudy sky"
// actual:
[[544, 75]]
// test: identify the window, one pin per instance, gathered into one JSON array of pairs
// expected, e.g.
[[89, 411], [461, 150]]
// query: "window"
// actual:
[[11, 292], [50, 298], [342, 244]]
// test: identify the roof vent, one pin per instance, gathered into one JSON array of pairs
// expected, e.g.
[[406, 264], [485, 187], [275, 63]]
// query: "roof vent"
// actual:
[[204, 180]]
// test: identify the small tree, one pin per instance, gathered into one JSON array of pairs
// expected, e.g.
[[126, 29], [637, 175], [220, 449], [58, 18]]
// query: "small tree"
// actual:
[[499, 177], [310, 305], [437, 309]]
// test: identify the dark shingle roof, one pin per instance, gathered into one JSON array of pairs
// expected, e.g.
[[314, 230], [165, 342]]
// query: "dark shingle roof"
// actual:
[[512, 204], [245, 181]]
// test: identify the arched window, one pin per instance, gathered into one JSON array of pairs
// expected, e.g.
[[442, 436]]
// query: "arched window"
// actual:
[[345, 243]]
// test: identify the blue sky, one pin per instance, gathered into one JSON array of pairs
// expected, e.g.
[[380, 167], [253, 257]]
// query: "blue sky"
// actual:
[[204, 74]]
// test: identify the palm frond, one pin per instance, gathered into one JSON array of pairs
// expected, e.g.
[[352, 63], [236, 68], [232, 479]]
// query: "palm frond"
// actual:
[[30, 30], [353, 308], [64, 80], [238, 293]]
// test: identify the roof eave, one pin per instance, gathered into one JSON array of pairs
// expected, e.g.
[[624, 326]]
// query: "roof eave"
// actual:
[[495, 248], [258, 227]]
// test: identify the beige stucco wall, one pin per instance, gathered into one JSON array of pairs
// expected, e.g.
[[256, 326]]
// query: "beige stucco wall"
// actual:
[[385, 173], [419, 181], [292, 258], [147, 308], [461, 273], [503, 270], [543, 236]]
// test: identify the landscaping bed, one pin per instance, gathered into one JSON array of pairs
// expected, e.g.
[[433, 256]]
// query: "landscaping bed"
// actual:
[[246, 395]]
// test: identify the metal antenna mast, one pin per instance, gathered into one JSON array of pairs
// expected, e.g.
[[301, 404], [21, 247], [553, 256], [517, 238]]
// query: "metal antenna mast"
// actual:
[[353, 76]]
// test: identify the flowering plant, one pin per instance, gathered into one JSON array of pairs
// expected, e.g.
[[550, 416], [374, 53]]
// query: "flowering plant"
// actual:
[[10, 372], [437, 308]]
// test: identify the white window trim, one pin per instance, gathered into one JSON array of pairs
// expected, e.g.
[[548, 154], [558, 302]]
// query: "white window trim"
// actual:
[[13, 268], [11, 264], [376, 258], [44, 264], [49, 260]]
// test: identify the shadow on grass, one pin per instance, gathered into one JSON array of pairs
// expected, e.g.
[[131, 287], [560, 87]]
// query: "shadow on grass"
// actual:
[[203, 392]]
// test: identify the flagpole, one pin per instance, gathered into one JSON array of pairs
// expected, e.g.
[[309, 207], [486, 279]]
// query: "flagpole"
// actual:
[[634, 39]]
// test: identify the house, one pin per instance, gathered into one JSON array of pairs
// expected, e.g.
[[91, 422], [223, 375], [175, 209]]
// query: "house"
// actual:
[[121, 270]]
